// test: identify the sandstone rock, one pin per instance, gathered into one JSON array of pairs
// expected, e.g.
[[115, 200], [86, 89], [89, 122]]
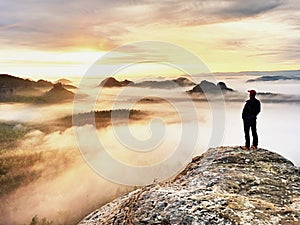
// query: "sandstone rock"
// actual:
[[113, 82], [209, 87], [225, 185], [58, 94]]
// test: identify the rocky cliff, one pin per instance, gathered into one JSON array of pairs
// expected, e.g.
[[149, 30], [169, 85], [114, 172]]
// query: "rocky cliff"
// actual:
[[225, 185]]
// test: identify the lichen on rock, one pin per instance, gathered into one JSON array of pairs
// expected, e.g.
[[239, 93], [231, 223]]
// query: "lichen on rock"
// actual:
[[225, 185]]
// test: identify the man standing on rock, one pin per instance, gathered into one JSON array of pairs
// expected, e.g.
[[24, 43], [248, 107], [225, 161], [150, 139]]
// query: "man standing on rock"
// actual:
[[250, 111]]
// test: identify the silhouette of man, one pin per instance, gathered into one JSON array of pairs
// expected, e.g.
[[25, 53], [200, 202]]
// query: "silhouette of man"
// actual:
[[250, 111]]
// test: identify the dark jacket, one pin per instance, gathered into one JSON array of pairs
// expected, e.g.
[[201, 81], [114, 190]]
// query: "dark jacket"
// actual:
[[251, 109]]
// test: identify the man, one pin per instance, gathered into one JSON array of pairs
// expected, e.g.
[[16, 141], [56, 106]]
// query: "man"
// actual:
[[250, 111]]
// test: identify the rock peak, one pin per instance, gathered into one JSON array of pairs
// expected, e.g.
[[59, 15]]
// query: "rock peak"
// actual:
[[225, 185]]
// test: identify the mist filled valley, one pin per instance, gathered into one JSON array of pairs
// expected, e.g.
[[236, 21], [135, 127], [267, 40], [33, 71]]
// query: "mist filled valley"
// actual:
[[47, 142]]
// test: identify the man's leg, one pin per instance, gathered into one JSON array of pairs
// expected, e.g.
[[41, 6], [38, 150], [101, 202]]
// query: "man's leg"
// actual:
[[254, 133], [246, 130]]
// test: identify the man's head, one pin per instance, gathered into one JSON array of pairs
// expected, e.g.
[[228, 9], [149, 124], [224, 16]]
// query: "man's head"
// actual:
[[252, 93]]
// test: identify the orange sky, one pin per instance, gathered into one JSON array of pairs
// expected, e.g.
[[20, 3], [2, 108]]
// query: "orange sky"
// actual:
[[64, 38]]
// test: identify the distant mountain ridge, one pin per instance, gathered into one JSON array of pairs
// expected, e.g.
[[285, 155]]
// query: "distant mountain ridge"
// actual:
[[275, 78], [167, 84], [204, 86], [164, 84], [10, 81], [113, 82], [64, 81], [15, 89], [209, 87]]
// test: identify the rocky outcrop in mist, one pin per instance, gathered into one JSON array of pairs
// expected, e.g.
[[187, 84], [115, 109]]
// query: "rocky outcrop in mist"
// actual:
[[113, 82], [15, 89], [58, 94], [225, 185], [161, 84], [209, 87]]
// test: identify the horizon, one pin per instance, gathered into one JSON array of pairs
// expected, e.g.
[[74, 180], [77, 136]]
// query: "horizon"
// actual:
[[123, 76]]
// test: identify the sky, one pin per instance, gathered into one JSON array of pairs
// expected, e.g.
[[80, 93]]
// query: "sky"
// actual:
[[65, 37]]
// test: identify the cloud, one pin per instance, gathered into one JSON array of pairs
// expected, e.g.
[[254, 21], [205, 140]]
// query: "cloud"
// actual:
[[101, 24], [249, 8], [275, 78], [195, 12], [266, 31], [52, 193], [57, 24]]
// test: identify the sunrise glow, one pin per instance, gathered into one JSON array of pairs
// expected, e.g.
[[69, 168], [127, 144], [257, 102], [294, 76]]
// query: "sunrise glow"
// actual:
[[228, 36]]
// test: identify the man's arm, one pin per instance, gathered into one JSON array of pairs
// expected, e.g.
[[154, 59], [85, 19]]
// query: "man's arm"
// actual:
[[258, 107], [244, 111]]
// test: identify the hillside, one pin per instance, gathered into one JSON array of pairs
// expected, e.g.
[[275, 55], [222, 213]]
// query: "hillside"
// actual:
[[9, 81], [58, 94], [225, 185], [15, 89]]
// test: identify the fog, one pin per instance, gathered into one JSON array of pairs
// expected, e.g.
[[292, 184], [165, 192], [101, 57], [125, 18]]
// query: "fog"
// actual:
[[68, 188], [31, 113], [282, 87]]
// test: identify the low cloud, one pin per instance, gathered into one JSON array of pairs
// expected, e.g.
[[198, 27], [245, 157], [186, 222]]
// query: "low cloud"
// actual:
[[64, 181], [67, 189], [276, 78]]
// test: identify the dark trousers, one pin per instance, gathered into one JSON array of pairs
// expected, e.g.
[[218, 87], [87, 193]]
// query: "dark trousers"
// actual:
[[247, 125]]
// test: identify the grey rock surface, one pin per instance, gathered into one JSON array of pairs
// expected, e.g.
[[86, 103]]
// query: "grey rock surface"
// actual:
[[225, 185]]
